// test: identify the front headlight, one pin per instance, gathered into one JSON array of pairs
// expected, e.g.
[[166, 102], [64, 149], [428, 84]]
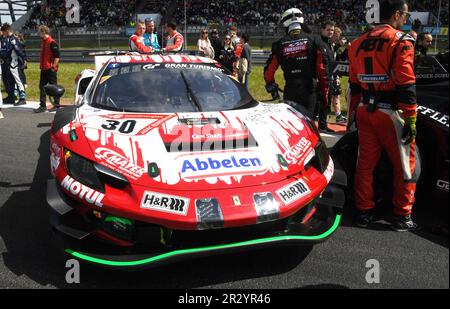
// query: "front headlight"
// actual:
[[83, 171]]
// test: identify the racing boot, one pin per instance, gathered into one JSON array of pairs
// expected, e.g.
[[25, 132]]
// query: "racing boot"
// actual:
[[404, 224], [364, 219]]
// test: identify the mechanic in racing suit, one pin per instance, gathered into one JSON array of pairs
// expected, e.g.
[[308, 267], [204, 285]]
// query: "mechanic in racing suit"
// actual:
[[302, 62], [137, 43], [383, 93]]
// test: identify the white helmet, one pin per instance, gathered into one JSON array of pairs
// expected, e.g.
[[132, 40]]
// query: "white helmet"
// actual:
[[292, 16]]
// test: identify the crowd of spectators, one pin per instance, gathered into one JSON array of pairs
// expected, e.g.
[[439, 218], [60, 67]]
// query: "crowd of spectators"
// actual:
[[217, 13], [103, 13]]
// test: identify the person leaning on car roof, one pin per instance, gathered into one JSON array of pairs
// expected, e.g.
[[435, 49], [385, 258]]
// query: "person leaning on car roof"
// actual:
[[150, 35], [174, 39], [137, 42]]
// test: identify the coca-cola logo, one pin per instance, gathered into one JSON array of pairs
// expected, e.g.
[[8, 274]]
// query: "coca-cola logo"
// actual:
[[119, 163]]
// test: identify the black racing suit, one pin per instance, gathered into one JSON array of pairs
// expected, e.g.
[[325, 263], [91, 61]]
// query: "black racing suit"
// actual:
[[322, 101], [302, 63]]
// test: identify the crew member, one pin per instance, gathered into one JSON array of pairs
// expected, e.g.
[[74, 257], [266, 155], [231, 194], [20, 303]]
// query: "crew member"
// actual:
[[424, 41], [49, 65], [150, 35], [137, 41], [326, 33], [302, 62], [384, 95], [14, 57], [175, 40]]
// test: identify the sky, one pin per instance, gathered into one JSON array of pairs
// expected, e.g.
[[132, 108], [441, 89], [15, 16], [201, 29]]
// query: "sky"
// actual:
[[6, 19]]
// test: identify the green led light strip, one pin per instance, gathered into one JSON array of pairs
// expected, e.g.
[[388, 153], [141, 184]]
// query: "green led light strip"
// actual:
[[204, 249]]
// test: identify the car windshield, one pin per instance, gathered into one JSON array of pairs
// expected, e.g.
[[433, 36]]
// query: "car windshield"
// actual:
[[168, 88]]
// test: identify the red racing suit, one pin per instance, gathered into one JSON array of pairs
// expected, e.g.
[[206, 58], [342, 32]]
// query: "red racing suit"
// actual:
[[303, 63], [174, 42], [382, 82], [137, 45]]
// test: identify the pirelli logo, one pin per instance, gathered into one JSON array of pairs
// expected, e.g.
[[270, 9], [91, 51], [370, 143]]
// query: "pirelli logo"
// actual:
[[293, 192], [165, 203]]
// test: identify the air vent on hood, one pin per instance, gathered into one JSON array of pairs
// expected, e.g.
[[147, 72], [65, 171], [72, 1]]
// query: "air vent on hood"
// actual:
[[217, 145]]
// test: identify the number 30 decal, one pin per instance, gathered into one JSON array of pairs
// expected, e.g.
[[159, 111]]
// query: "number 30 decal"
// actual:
[[125, 127]]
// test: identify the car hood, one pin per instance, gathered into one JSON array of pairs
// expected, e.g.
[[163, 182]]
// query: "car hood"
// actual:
[[199, 151]]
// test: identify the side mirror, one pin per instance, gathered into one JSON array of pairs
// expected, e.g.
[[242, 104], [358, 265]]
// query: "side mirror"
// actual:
[[55, 91]]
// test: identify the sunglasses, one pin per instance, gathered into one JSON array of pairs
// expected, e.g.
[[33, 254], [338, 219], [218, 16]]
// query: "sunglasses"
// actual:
[[227, 39], [408, 15]]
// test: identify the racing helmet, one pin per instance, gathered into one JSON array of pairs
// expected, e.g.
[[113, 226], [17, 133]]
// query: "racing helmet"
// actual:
[[292, 16]]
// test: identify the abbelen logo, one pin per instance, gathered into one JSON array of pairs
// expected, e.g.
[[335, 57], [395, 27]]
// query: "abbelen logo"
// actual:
[[293, 192], [82, 192], [166, 203], [227, 165]]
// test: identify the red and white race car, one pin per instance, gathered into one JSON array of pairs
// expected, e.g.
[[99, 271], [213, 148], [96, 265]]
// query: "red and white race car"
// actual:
[[169, 157]]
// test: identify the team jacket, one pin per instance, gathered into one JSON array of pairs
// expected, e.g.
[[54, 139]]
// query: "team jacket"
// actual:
[[175, 42], [49, 52], [137, 44], [300, 59], [151, 40], [382, 67], [13, 51]]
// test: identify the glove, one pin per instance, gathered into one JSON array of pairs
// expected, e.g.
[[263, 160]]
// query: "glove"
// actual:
[[409, 130], [273, 90]]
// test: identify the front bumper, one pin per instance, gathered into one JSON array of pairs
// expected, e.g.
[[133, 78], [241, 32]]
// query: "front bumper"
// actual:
[[78, 239]]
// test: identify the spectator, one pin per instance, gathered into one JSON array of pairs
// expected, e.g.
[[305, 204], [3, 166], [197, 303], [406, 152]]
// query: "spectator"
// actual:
[[174, 39], [136, 42], [335, 82], [24, 63], [204, 45], [227, 57], [150, 35], [424, 41], [49, 64], [7, 78], [245, 62], [216, 43], [15, 57]]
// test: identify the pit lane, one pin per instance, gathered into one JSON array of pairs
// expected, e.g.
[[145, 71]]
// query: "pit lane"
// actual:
[[29, 259]]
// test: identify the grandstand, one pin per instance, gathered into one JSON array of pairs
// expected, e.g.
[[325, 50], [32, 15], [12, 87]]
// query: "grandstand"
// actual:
[[112, 20]]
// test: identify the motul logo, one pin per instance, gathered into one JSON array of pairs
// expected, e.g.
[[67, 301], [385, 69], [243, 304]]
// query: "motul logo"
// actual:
[[82, 192], [165, 203]]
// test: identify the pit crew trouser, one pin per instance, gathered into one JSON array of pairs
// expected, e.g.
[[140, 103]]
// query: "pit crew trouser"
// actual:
[[301, 93], [47, 77], [20, 86], [8, 82], [378, 131]]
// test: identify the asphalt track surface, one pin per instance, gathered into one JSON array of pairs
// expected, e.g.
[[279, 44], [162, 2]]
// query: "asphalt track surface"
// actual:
[[29, 259]]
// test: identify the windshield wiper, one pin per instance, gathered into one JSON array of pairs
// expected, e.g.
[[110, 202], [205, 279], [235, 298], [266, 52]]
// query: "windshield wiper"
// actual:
[[191, 93]]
